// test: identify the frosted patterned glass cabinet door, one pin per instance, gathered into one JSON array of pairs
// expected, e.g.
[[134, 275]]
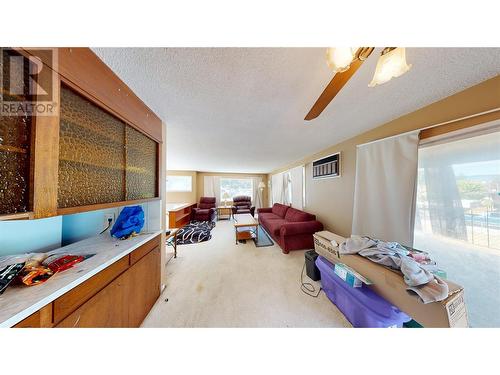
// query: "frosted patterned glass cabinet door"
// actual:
[[101, 158], [15, 138], [14, 164], [91, 153], [141, 171]]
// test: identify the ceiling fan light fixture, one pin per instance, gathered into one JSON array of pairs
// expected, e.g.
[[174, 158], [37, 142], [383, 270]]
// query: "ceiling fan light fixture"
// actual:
[[391, 64], [339, 59]]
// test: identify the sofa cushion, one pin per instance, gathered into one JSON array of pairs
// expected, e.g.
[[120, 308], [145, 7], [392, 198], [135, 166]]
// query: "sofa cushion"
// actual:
[[293, 215], [268, 216], [280, 209], [274, 226]]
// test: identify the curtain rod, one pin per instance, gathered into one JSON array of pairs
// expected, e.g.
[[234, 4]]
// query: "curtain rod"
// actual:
[[432, 126]]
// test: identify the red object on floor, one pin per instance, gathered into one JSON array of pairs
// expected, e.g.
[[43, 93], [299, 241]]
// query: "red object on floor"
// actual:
[[292, 229]]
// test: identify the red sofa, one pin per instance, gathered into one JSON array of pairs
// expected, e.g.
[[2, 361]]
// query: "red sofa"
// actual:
[[292, 229]]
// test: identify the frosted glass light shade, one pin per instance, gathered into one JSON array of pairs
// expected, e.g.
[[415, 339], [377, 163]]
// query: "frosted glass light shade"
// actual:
[[392, 64], [339, 59], [262, 185]]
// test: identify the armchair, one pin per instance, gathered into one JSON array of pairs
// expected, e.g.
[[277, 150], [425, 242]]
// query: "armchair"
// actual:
[[243, 205], [205, 211]]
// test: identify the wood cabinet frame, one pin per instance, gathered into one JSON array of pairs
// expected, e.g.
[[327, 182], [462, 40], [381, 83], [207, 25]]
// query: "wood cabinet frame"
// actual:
[[82, 71]]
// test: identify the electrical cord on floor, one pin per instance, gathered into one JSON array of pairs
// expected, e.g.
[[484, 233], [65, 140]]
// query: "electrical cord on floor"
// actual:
[[308, 288], [109, 224]]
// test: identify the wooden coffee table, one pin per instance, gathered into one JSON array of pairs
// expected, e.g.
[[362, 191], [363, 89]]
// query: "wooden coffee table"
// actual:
[[245, 227]]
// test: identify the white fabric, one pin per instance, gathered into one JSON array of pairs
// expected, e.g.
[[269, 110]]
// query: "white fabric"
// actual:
[[277, 187], [211, 188], [269, 193], [386, 173], [287, 189], [297, 177], [256, 193], [216, 184], [208, 186]]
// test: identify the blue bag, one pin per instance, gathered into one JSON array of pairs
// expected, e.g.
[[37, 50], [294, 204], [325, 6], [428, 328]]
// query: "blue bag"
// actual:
[[130, 220]]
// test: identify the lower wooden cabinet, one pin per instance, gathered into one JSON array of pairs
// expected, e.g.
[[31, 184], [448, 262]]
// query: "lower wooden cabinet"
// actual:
[[144, 287], [40, 319], [119, 296], [72, 300], [108, 308]]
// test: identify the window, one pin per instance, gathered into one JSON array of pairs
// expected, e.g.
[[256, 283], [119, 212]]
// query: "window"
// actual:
[[457, 217], [235, 186], [179, 183]]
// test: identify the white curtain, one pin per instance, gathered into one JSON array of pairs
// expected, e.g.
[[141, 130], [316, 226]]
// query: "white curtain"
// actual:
[[386, 173], [287, 189], [208, 186], [256, 193], [297, 177], [277, 187], [211, 188]]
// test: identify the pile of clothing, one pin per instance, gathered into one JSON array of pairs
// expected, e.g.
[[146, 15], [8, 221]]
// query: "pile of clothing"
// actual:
[[419, 271]]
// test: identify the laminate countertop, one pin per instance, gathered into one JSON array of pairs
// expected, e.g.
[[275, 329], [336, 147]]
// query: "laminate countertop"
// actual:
[[19, 302], [177, 206]]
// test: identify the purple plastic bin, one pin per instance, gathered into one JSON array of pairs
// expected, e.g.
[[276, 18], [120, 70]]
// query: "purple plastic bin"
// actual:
[[361, 306]]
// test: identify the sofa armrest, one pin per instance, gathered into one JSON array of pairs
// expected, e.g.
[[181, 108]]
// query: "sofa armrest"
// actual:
[[264, 210], [301, 227], [213, 214]]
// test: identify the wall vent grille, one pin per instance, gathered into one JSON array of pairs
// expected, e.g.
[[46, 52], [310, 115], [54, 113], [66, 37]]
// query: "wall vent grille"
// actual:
[[327, 167]]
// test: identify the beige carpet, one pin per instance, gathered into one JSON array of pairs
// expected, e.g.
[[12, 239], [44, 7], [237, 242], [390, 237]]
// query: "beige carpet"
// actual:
[[221, 284]]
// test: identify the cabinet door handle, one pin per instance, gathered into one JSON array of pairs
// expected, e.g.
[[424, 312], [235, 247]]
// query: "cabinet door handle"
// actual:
[[74, 325]]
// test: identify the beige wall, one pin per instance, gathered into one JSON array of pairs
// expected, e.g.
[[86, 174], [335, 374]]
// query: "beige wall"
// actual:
[[201, 176], [332, 199], [187, 197], [198, 186]]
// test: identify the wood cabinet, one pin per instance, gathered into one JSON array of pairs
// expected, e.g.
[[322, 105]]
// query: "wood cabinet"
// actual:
[[144, 282], [179, 215], [121, 295], [76, 297], [100, 147], [40, 319], [107, 309], [101, 158]]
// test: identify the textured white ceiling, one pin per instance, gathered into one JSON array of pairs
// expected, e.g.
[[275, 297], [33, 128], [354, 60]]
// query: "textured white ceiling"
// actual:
[[242, 109]]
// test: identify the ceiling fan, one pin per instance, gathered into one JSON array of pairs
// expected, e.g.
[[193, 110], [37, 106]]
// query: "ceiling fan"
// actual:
[[345, 61]]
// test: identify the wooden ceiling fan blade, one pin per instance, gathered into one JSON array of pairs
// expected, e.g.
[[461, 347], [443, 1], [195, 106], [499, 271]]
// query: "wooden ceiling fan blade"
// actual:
[[338, 81]]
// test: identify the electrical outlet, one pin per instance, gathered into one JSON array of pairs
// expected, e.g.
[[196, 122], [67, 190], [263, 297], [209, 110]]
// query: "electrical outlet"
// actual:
[[106, 218]]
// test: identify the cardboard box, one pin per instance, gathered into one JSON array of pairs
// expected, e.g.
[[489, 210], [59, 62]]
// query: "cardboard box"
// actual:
[[389, 284]]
